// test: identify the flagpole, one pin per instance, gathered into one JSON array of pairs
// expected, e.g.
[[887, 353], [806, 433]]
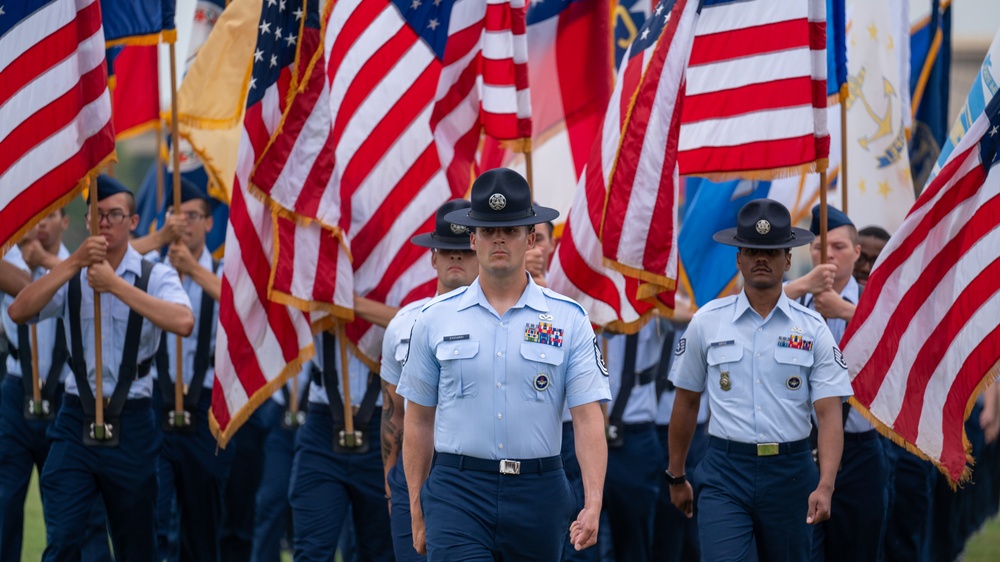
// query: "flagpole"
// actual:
[[159, 166], [36, 389], [346, 384], [528, 168], [95, 230], [175, 153], [822, 216], [843, 149]]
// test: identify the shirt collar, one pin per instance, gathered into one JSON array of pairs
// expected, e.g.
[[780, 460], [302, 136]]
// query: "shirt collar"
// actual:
[[131, 261], [532, 297], [743, 304], [850, 292]]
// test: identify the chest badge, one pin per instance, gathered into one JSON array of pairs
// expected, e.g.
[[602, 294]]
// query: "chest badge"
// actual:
[[795, 342], [541, 382], [793, 383], [543, 332], [724, 382]]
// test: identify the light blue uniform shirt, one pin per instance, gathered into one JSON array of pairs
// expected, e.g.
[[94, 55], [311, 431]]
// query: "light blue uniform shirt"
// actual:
[[163, 284], [665, 407], [46, 330], [498, 388], [772, 386], [396, 341], [357, 375], [641, 406], [856, 423], [190, 345]]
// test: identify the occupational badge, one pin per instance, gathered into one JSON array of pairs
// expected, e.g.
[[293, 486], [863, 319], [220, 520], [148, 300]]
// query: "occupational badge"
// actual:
[[793, 383], [724, 382], [541, 382]]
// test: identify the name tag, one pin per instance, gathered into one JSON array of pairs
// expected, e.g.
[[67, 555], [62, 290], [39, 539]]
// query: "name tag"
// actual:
[[456, 338], [722, 343]]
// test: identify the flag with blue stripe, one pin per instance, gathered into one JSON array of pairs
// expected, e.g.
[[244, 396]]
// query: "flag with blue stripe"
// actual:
[[138, 22]]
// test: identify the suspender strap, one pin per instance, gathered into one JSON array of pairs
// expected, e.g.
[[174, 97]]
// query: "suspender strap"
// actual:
[[129, 366], [331, 384], [59, 357], [286, 395], [628, 379], [162, 360], [202, 352], [663, 383]]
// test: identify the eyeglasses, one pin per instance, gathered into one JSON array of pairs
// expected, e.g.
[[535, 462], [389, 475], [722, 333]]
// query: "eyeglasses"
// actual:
[[114, 217], [193, 216]]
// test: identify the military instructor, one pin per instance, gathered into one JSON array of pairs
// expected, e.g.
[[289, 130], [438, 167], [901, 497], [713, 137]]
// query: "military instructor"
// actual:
[[488, 371]]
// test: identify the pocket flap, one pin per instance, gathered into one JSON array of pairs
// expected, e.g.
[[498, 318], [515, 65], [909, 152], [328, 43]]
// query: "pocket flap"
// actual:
[[542, 353], [729, 353], [451, 350], [794, 357]]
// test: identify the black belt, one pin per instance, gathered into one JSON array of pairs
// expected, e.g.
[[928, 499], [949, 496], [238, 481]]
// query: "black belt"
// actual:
[[502, 466], [131, 404], [759, 449], [869, 435]]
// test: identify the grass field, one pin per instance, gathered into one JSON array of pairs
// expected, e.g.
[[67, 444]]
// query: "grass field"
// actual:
[[984, 547]]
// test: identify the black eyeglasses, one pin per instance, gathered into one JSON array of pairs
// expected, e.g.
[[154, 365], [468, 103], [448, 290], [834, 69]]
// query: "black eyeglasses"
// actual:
[[114, 217], [193, 216]]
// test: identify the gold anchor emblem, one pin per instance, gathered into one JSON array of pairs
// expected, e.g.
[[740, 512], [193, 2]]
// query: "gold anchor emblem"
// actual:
[[884, 123], [724, 382]]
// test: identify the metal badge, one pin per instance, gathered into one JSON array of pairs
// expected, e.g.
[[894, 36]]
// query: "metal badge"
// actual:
[[724, 382], [498, 202], [793, 383], [763, 227], [458, 229], [541, 382]]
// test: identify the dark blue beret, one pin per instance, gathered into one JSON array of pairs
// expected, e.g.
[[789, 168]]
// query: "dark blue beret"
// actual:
[[835, 218], [108, 186]]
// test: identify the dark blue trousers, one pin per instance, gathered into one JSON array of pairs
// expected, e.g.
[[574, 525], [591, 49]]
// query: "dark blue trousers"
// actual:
[[743, 497], [240, 490], [272, 511], [475, 516], [399, 519], [675, 537], [324, 484], [856, 528], [75, 476], [191, 477], [23, 446], [631, 487], [907, 532], [575, 478]]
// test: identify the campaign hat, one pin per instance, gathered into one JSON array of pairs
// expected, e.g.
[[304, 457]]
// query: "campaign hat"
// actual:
[[446, 235], [764, 224], [501, 197]]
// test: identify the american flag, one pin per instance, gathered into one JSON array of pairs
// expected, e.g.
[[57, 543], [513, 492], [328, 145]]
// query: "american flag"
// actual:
[[412, 84], [924, 340], [631, 178], [756, 90], [55, 108], [264, 335]]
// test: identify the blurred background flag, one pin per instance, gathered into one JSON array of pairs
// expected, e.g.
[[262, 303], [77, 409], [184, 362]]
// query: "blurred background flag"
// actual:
[[135, 96], [836, 51], [930, 74], [55, 108], [138, 22]]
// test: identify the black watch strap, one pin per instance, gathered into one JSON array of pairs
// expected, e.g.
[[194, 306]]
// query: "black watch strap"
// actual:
[[675, 480]]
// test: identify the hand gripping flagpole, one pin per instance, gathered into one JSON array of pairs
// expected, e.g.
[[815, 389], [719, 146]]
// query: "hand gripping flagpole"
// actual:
[[179, 417]]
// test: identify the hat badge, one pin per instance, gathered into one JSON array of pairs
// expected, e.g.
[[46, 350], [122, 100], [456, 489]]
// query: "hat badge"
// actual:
[[763, 227], [498, 201], [458, 229]]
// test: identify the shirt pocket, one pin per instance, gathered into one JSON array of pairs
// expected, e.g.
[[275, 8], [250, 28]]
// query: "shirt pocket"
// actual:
[[723, 363], [541, 366], [457, 359], [791, 366], [400, 353]]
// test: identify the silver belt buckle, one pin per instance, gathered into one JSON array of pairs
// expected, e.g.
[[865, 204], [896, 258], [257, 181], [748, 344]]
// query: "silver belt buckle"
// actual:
[[510, 467]]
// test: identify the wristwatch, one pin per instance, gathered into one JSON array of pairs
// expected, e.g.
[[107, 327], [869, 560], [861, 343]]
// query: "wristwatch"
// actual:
[[675, 480]]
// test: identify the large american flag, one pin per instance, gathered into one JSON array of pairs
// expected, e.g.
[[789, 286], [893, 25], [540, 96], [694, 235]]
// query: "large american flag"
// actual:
[[55, 108], [756, 90], [412, 85], [924, 340], [277, 268], [619, 274]]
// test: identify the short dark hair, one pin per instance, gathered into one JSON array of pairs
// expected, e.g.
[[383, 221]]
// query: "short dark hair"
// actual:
[[874, 232]]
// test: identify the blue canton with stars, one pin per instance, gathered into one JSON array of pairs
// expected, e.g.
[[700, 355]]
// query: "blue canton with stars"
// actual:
[[989, 147], [277, 38], [653, 27], [429, 18]]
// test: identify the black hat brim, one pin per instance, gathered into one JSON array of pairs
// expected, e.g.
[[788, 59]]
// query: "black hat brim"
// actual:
[[429, 240], [540, 215], [800, 237]]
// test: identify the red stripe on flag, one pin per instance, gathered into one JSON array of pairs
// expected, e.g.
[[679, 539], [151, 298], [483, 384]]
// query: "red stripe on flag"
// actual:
[[779, 94], [978, 363], [660, 239], [750, 41], [751, 156], [457, 93], [359, 21], [462, 42], [498, 17], [817, 36], [245, 362]]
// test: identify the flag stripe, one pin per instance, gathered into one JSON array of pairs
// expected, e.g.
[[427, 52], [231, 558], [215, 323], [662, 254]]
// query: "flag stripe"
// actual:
[[746, 42], [788, 92]]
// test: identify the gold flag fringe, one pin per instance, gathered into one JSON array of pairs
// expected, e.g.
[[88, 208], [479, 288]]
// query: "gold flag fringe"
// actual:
[[818, 166], [148, 39]]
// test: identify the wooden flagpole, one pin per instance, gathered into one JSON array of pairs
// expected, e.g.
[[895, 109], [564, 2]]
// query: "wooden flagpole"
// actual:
[[95, 230], [528, 168], [346, 384], [175, 153], [36, 389], [822, 216]]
